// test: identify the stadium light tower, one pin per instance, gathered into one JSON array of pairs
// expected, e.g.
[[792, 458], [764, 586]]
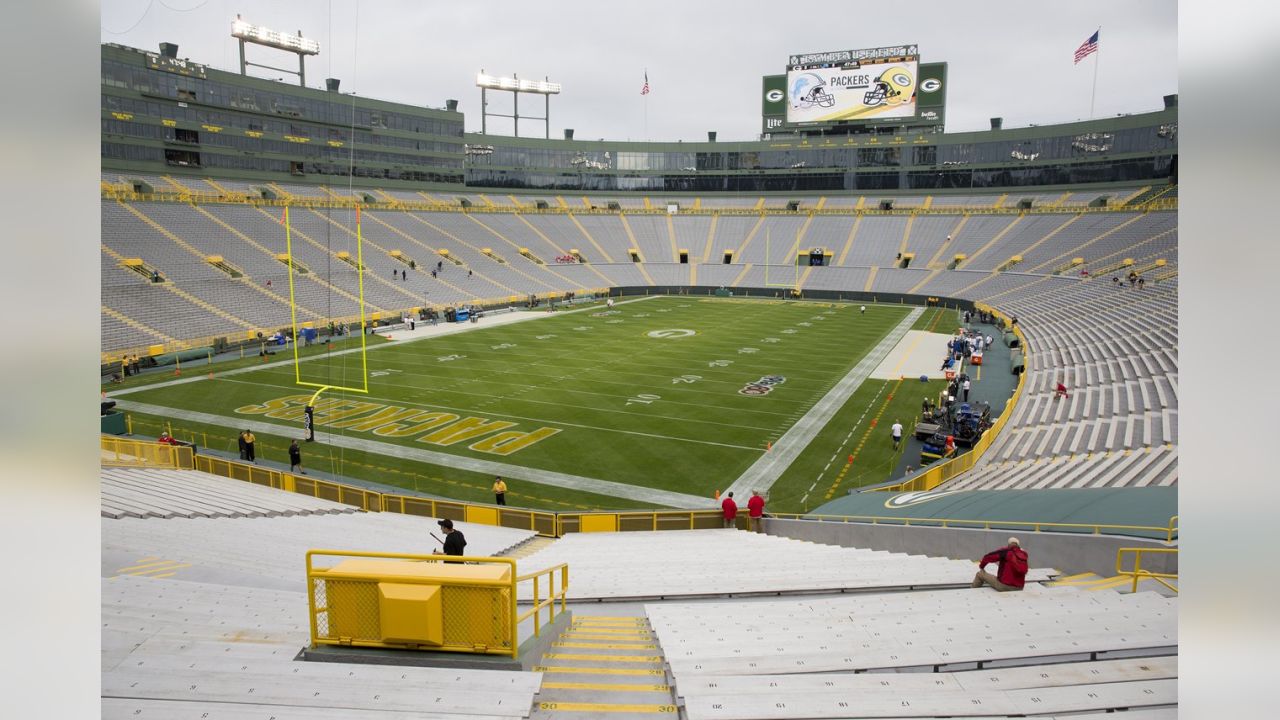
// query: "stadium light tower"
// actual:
[[515, 86], [258, 35]]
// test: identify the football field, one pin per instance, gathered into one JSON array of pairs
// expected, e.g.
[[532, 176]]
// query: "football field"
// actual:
[[656, 402]]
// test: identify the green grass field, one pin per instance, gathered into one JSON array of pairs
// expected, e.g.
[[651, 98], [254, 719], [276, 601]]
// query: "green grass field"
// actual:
[[675, 394]]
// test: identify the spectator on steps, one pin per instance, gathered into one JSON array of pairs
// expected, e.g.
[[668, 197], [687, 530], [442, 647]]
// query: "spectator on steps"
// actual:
[[730, 509], [166, 439], [454, 541], [1011, 571], [1060, 391]]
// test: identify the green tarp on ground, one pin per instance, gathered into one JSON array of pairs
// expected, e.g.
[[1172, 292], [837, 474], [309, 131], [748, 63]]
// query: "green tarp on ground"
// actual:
[[1108, 506]]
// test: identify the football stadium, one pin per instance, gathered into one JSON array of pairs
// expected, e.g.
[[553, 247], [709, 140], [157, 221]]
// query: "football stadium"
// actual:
[[718, 428]]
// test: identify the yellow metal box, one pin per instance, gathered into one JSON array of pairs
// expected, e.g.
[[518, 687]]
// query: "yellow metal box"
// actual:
[[410, 613]]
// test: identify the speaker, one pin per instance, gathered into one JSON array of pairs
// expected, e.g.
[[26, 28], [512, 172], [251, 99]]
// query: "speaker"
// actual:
[[331, 84], [1170, 101], [568, 133], [451, 105], [886, 204], [997, 123]]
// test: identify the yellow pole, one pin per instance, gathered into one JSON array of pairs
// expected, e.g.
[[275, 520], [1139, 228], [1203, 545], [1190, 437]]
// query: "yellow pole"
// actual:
[[128, 423]]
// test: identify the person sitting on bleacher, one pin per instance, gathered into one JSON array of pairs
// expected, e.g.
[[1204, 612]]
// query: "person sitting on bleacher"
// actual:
[[166, 439], [1011, 571]]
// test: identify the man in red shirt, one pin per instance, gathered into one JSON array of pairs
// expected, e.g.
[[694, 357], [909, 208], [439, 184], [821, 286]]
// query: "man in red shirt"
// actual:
[[166, 439], [1010, 572], [755, 510], [730, 511]]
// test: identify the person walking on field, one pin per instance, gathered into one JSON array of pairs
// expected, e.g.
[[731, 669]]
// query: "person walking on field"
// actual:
[[966, 389], [499, 491], [897, 433], [755, 511], [730, 509], [1011, 571], [295, 458]]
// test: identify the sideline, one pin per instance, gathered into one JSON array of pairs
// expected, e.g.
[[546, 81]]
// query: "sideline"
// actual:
[[489, 467], [764, 472]]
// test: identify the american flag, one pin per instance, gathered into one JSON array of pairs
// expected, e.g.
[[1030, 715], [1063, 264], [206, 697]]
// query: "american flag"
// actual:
[[645, 90], [1089, 46]]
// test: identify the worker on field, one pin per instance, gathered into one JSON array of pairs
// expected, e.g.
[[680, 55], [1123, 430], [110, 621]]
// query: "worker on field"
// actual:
[[249, 440], [499, 491]]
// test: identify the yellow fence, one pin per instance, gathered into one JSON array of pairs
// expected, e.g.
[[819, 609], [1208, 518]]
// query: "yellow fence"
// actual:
[[121, 452], [639, 520], [546, 524], [1170, 531], [459, 604], [1137, 573], [938, 474]]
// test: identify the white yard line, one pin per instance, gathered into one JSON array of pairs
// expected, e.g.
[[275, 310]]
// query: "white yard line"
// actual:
[[489, 467], [764, 472]]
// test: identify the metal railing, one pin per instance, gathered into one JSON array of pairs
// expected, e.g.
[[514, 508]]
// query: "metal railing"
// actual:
[[552, 595], [121, 452], [639, 520], [551, 524], [1137, 573], [477, 615], [1169, 531]]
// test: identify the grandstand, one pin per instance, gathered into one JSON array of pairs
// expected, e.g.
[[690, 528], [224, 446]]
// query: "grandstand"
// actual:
[[204, 597]]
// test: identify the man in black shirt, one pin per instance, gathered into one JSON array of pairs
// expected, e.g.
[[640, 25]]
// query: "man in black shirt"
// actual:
[[454, 541]]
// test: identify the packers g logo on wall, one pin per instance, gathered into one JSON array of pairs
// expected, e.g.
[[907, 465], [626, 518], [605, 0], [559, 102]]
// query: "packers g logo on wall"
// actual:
[[774, 95], [930, 85]]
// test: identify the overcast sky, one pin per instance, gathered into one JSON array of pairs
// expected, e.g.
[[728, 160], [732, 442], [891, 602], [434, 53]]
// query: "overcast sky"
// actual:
[[704, 58]]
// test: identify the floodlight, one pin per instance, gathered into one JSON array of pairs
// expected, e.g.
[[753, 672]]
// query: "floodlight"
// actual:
[[273, 38]]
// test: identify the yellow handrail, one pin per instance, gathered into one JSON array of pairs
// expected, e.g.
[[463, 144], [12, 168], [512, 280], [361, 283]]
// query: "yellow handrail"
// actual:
[[552, 595], [1169, 531], [1137, 573]]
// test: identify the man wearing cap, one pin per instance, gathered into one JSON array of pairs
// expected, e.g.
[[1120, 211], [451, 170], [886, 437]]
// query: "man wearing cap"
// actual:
[[499, 491], [454, 542], [1010, 572]]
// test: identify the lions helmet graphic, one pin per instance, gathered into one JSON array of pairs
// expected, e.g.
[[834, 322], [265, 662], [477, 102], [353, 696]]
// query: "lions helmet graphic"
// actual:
[[895, 86], [809, 90]]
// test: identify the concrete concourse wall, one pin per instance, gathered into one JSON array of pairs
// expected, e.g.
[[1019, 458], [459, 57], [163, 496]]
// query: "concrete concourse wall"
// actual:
[[1069, 553]]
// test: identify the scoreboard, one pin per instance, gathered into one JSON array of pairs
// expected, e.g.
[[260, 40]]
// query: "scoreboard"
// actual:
[[872, 86]]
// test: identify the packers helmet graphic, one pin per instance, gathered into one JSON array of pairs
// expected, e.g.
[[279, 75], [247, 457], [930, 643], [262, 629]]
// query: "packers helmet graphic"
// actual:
[[809, 90], [895, 86]]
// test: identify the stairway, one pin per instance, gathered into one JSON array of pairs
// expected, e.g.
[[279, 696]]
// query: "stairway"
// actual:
[[604, 664]]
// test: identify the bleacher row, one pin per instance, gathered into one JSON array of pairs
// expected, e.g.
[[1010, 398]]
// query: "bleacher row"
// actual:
[[1044, 650], [661, 564], [201, 300], [175, 649], [219, 640], [162, 493]]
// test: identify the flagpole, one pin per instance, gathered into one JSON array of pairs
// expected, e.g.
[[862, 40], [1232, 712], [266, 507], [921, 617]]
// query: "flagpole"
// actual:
[[1097, 57], [646, 105]]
